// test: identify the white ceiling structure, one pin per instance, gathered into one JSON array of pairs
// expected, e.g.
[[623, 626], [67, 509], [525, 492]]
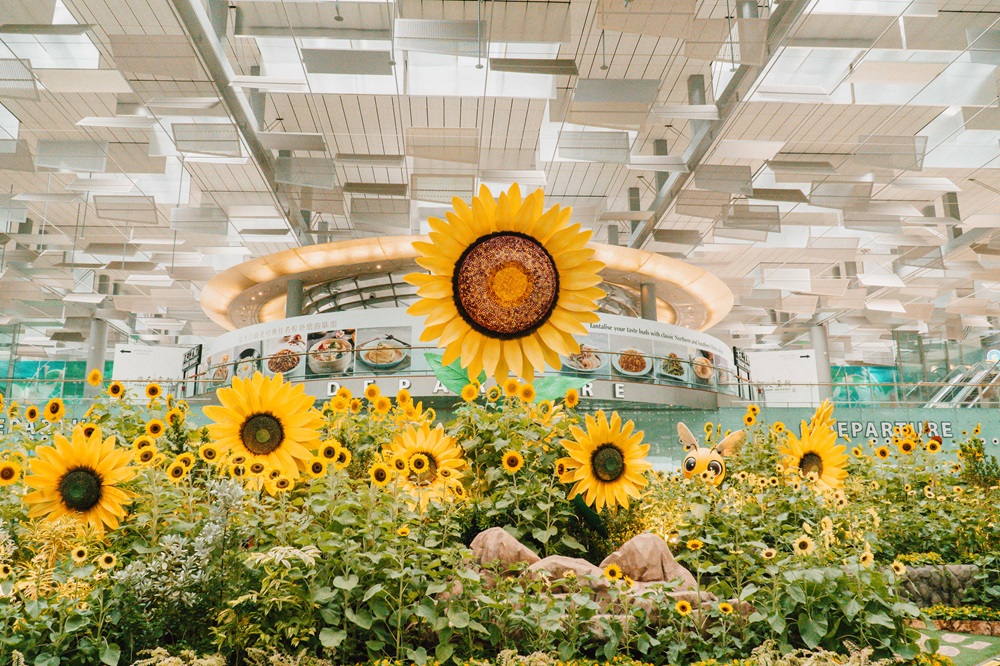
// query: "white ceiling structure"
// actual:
[[834, 161]]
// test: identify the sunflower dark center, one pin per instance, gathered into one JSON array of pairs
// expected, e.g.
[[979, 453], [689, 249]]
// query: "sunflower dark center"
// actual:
[[505, 285], [608, 463], [381, 475], [80, 489], [54, 408], [6, 473], [317, 467], [428, 474], [262, 433], [811, 462]]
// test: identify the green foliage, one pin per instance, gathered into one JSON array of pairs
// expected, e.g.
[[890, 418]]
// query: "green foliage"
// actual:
[[978, 469]]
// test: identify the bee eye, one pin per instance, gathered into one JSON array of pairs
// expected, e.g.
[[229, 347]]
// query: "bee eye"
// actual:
[[690, 464], [715, 467]]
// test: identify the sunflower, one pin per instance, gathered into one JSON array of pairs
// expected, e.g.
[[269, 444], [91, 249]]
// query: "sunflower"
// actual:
[[510, 387], [343, 459], [572, 398], [155, 428], [79, 554], [339, 404], [817, 449], [683, 607], [610, 461], [509, 286], [186, 459], [31, 413], [933, 446], [438, 450], [174, 416], [316, 468], [778, 427], [398, 464], [5, 571], [804, 545], [116, 389], [866, 559], [494, 393], [613, 572], [79, 478], [726, 608], [107, 561], [403, 397], [208, 452], [145, 456], [882, 452], [403, 531], [280, 484], [55, 409], [94, 377], [380, 474], [345, 393], [383, 404], [258, 468], [899, 568], [857, 452], [176, 472], [906, 446], [753, 409], [10, 472], [355, 405], [526, 393], [328, 451], [470, 392], [749, 419], [266, 418], [512, 462], [372, 391], [695, 544], [153, 391]]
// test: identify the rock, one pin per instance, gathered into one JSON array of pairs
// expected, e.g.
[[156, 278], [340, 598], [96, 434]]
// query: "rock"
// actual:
[[646, 558], [938, 584], [496, 545], [559, 566]]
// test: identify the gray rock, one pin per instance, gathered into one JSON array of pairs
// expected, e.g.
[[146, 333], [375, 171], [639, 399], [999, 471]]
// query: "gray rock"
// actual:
[[938, 584], [560, 566]]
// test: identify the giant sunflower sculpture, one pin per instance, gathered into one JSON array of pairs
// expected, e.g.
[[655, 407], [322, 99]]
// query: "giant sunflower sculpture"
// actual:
[[607, 462], [267, 420], [816, 450], [509, 286], [79, 478], [427, 453]]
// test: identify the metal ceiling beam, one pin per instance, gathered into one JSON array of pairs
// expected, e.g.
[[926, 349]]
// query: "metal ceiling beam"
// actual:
[[704, 135], [202, 31]]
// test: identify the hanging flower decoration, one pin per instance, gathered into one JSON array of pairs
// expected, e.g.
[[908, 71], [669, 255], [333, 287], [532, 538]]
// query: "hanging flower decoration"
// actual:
[[509, 284], [816, 451], [80, 479], [433, 463], [607, 462], [266, 419]]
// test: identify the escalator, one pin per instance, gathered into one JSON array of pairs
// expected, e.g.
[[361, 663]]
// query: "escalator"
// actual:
[[974, 386]]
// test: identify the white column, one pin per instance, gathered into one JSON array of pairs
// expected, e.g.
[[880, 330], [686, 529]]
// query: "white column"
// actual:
[[818, 337]]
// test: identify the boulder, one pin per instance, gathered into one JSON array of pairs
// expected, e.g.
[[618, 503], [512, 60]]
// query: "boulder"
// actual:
[[496, 545], [560, 566], [647, 558]]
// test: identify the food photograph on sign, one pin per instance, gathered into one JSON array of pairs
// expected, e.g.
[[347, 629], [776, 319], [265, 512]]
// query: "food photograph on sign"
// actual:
[[246, 360], [632, 357], [286, 355], [593, 358], [331, 353], [383, 351]]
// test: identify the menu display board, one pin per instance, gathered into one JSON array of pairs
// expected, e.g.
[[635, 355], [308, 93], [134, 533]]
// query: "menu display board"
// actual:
[[354, 347]]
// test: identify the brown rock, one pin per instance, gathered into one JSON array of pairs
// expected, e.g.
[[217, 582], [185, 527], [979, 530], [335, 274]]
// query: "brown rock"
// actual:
[[560, 566], [647, 558], [496, 545]]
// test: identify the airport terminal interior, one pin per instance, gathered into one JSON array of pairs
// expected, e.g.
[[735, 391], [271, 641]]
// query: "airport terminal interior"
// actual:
[[500, 332]]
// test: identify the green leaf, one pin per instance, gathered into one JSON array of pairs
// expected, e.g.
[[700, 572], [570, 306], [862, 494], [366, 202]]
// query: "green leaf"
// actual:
[[443, 652], [458, 618], [453, 376], [436, 588], [543, 536], [553, 388], [46, 659], [882, 620], [330, 638], [812, 630], [418, 656], [110, 654], [372, 591], [75, 622], [348, 583], [362, 618]]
